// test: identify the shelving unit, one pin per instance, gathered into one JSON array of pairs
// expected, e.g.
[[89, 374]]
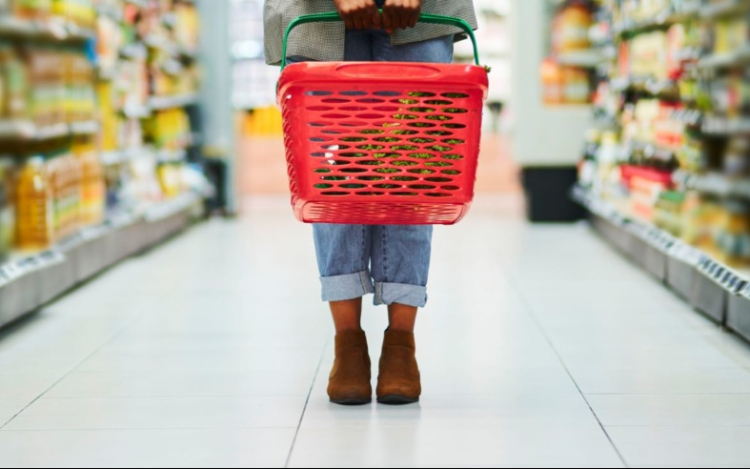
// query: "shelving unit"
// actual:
[[715, 289], [141, 75], [682, 217], [30, 281]]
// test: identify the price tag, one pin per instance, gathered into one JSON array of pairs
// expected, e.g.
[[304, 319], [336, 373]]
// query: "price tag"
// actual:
[[686, 253]]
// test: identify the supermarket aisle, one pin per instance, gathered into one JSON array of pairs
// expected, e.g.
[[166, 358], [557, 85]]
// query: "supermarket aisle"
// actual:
[[540, 347]]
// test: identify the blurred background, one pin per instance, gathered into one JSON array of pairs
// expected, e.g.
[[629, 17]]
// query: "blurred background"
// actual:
[[125, 122]]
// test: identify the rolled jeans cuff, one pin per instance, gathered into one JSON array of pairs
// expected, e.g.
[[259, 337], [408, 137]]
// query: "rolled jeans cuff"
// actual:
[[407, 295], [346, 287]]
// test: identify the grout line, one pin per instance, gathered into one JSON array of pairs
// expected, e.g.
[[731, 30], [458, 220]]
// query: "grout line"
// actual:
[[76, 366], [307, 403], [530, 312]]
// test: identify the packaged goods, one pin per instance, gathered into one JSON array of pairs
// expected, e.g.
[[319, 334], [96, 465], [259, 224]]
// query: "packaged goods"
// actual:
[[34, 210], [570, 29], [7, 206]]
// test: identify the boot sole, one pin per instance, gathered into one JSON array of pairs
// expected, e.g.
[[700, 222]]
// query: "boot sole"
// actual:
[[397, 400], [352, 402]]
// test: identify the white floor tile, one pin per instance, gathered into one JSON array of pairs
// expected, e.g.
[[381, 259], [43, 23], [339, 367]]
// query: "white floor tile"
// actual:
[[422, 444], [9, 408], [694, 446], [170, 383], [160, 413], [26, 385], [203, 352], [672, 410], [645, 380], [453, 411], [235, 359], [147, 448]]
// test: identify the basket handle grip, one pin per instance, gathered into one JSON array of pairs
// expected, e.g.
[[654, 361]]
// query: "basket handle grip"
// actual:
[[333, 16]]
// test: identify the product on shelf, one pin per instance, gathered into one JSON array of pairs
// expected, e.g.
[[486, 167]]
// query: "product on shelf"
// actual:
[[93, 188], [8, 174], [83, 135], [570, 29], [678, 91], [34, 210], [13, 84]]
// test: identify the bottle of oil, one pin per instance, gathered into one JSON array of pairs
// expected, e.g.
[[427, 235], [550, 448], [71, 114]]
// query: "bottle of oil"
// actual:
[[92, 185], [34, 207]]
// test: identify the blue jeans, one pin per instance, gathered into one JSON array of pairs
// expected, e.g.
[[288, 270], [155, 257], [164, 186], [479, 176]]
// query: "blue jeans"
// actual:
[[393, 262]]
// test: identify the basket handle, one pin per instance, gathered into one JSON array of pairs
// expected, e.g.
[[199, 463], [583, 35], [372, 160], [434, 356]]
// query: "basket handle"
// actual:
[[333, 16]]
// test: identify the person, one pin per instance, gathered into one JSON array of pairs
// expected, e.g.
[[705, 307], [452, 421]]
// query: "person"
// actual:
[[391, 262]]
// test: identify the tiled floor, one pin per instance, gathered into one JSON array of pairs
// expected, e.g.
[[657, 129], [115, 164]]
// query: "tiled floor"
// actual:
[[540, 347]]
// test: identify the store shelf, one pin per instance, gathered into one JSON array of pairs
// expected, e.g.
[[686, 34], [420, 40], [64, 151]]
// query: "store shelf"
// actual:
[[650, 85], [160, 103], [723, 9], [53, 31], [29, 282], [720, 61], [724, 126], [24, 130], [113, 158], [661, 20], [709, 285], [590, 58], [171, 156], [651, 150]]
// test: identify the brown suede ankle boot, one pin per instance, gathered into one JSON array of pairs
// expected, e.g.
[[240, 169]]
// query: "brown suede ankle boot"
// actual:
[[351, 377], [399, 382]]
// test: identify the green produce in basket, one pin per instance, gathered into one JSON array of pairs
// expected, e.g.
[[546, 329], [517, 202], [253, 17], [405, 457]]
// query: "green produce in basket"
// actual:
[[453, 157], [405, 178], [439, 164], [404, 147], [387, 170], [439, 148], [422, 140]]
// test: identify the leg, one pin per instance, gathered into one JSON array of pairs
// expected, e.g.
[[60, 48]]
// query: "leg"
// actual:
[[343, 253], [343, 257], [400, 263], [401, 259], [400, 268], [402, 317], [347, 315]]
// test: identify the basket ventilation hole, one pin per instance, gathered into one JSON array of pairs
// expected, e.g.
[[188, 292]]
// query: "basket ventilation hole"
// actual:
[[455, 95]]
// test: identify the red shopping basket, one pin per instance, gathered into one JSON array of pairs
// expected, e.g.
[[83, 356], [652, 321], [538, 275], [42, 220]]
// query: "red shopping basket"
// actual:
[[382, 143]]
